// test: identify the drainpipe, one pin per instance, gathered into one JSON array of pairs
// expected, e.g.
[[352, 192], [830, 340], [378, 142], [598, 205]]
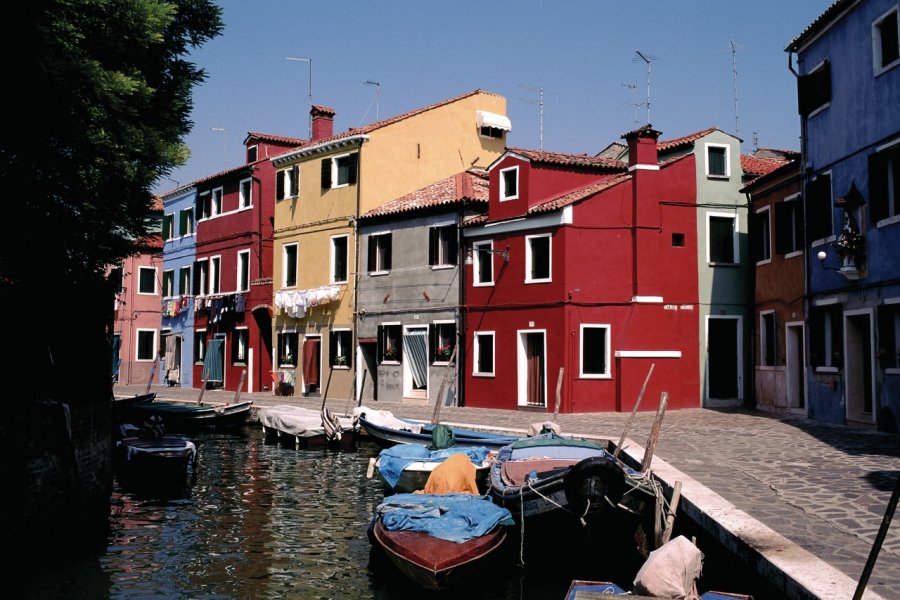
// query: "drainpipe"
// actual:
[[461, 312], [354, 338], [259, 274]]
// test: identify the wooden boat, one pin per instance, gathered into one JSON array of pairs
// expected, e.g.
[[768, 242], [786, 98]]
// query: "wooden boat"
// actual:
[[580, 481], [158, 466], [405, 468], [439, 548], [184, 416], [581, 589], [387, 430], [304, 428]]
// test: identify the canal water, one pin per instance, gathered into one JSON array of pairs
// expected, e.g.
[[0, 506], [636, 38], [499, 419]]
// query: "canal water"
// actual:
[[263, 521]]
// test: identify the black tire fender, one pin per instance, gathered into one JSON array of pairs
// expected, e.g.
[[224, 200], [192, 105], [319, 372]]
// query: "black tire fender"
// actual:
[[593, 481]]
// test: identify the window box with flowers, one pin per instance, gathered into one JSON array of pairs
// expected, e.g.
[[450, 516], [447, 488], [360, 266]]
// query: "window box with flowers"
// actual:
[[851, 247], [442, 353], [390, 354]]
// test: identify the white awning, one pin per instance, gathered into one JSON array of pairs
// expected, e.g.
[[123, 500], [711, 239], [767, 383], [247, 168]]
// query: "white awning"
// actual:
[[489, 119]]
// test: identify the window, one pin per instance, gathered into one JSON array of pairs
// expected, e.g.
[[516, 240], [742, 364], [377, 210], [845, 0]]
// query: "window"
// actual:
[[767, 339], [289, 269], [245, 193], [252, 153], [186, 221], [886, 42], [379, 260], [819, 207], [146, 280], [491, 132], [717, 163], [789, 225], [203, 205], [239, 339], [825, 336], [146, 345], [339, 171], [442, 246], [287, 348], [117, 279], [537, 258], [484, 353], [339, 348], [184, 281], [243, 271], [201, 277], [215, 275], [889, 335], [509, 183], [168, 283], [722, 239], [443, 341], [884, 183], [216, 203], [287, 183], [678, 240], [339, 259], [761, 236], [595, 351], [814, 89], [168, 227], [199, 346], [389, 343], [484, 263]]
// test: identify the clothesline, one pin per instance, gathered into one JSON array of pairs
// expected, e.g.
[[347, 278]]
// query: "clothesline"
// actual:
[[295, 302]]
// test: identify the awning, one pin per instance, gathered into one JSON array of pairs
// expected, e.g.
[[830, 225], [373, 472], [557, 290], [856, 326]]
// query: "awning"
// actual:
[[489, 119]]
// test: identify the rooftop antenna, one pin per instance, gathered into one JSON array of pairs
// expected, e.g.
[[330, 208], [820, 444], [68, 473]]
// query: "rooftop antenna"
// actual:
[[755, 140], [632, 88], [374, 100], [647, 59], [225, 132], [540, 102], [306, 60], [737, 127]]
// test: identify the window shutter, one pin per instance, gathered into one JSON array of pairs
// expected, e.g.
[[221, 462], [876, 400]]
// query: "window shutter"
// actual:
[[818, 202], [373, 249], [756, 238], [783, 228], [887, 345], [814, 89], [432, 342], [388, 244], [295, 180], [878, 189], [432, 245], [453, 245], [279, 185], [352, 167], [332, 348], [379, 347], [349, 351], [326, 173]]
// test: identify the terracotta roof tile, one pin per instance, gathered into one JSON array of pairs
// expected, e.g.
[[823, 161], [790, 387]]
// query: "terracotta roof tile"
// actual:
[[683, 141], [818, 24], [575, 160], [471, 185], [580, 194], [281, 139], [756, 165]]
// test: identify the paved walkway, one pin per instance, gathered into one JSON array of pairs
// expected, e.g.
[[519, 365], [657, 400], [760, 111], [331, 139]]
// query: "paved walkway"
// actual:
[[802, 500]]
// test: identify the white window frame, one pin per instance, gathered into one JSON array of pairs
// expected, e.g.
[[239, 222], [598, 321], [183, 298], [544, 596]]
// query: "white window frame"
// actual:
[[215, 275], [504, 196], [764, 338], [479, 248], [379, 258], [199, 349], [243, 271], [437, 338], [827, 103], [529, 265], [202, 199], [706, 149], [241, 346], [384, 326], [168, 283], [349, 353], [877, 41], [334, 170], [154, 344], [331, 274], [217, 202], [442, 258], [797, 201], [246, 199], [168, 228], [189, 221], [203, 276], [185, 288], [285, 260], [734, 237], [607, 350], [155, 291], [768, 236], [476, 354]]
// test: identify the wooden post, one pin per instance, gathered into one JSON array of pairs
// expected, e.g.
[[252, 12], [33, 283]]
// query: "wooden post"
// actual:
[[152, 373], [637, 403], [237, 394], [879, 540], [202, 389], [673, 509], [654, 432], [559, 381], [438, 401]]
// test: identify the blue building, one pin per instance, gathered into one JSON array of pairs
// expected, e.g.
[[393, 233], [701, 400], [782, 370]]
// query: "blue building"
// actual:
[[177, 321], [847, 64]]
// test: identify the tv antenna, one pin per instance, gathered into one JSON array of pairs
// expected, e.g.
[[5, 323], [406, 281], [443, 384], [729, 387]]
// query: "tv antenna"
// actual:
[[632, 88], [309, 62], [737, 128], [647, 59], [374, 100], [540, 102]]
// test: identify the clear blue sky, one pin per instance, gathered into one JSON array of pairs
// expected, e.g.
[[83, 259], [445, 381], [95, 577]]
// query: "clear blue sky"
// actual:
[[582, 53]]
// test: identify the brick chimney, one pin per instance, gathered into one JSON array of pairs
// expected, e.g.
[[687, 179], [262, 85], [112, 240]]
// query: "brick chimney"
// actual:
[[643, 163], [322, 122], [642, 146]]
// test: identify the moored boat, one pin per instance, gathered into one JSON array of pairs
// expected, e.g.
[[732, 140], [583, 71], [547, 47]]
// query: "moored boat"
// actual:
[[405, 468], [303, 428], [159, 465], [184, 416]]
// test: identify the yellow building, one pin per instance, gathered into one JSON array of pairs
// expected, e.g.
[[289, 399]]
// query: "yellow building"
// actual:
[[322, 188]]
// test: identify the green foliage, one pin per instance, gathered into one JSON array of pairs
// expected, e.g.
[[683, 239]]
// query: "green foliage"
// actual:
[[100, 94]]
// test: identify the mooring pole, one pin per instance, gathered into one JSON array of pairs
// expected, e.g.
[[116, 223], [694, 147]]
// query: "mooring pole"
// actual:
[[879, 540]]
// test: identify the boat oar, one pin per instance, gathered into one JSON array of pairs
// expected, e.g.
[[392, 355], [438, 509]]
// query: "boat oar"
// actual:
[[879, 540], [654, 432], [637, 403], [202, 389], [673, 509]]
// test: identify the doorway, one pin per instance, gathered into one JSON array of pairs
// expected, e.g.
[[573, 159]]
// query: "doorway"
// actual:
[[532, 369], [724, 358], [858, 366], [312, 365], [795, 367], [415, 362]]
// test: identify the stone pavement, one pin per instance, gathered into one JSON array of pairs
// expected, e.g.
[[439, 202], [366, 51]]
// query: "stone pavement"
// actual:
[[801, 500]]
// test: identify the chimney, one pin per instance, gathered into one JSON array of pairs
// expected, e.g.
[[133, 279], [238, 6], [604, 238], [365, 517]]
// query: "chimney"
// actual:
[[642, 146], [322, 122]]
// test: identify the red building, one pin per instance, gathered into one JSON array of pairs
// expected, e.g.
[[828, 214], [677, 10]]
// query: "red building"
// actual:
[[581, 277], [232, 275]]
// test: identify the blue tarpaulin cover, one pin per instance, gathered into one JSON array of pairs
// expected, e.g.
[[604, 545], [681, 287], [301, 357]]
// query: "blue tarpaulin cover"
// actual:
[[454, 517], [393, 459]]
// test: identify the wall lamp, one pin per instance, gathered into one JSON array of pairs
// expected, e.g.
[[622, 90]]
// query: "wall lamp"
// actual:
[[848, 271]]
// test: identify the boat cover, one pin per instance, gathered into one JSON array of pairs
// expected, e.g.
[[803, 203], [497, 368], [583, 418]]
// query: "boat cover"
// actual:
[[454, 475], [296, 420], [393, 459], [454, 517], [386, 419], [135, 446]]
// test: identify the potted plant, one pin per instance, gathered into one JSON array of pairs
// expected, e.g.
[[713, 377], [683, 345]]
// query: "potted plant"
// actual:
[[850, 246], [390, 353], [443, 352], [340, 361]]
